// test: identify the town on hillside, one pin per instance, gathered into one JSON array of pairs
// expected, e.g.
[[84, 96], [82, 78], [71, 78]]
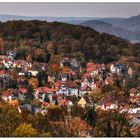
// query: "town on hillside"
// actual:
[[37, 87]]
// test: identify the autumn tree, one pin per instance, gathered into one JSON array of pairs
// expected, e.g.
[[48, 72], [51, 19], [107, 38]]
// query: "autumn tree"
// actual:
[[33, 82], [54, 68], [96, 94], [10, 120], [41, 124], [111, 124], [76, 127], [56, 114], [77, 111], [25, 130]]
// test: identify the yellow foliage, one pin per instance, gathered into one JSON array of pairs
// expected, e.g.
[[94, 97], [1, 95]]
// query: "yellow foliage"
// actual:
[[25, 130]]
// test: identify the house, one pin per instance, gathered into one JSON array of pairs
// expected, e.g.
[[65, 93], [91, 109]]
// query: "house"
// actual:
[[92, 68], [4, 74], [116, 68], [30, 108], [121, 69], [134, 94], [113, 69], [109, 106], [73, 63], [108, 80], [67, 88], [7, 95], [24, 65], [42, 92], [45, 104], [124, 108], [39, 66], [87, 81], [84, 102], [69, 103], [130, 72], [11, 53], [65, 102], [8, 62], [64, 62], [63, 90], [134, 110], [22, 93], [84, 90], [33, 72], [106, 106]]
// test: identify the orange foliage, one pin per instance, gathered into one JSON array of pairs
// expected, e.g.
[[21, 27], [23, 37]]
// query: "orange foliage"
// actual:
[[66, 69], [77, 127], [33, 82], [55, 68]]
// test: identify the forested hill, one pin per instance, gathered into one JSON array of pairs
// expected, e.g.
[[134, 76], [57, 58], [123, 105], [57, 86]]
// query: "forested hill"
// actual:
[[39, 40]]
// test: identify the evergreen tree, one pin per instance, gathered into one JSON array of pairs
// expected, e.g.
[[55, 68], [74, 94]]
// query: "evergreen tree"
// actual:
[[29, 95]]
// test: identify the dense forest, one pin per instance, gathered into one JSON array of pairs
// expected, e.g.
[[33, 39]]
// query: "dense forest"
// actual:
[[39, 40]]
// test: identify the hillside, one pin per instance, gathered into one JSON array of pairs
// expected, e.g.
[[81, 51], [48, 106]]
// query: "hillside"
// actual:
[[107, 27], [126, 28], [40, 40], [132, 23]]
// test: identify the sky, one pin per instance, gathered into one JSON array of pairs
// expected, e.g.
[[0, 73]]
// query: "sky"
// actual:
[[71, 9]]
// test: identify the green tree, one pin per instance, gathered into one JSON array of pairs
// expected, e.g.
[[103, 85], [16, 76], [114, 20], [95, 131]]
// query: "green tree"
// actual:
[[29, 95]]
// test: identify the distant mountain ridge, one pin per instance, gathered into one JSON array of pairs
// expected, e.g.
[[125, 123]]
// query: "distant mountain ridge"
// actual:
[[132, 23], [126, 28], [4, 18]]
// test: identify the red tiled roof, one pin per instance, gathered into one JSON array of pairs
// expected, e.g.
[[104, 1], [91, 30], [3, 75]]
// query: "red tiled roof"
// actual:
[[89, 64], [85, 75], [8, 92], [45, 104], [70, 84], [23, 90], [45, 90], [3, 72]]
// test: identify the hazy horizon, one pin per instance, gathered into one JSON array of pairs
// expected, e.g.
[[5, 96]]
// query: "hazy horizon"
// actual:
[[71, 9]]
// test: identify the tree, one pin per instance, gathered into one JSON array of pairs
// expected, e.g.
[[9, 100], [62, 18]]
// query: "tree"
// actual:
[[33, 82], [46, 99], [36, 102], [42, 78], [29, 95], [45, 134], [54, 68], [56, 114], [10, 120], [25, 130], [77, 111], [135, 130], [96, 94], [91, 117], [76, 127], [111, 124], [41, 123]]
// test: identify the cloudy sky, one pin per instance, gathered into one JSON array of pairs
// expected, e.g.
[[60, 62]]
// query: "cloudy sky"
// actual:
[[71, 9]]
